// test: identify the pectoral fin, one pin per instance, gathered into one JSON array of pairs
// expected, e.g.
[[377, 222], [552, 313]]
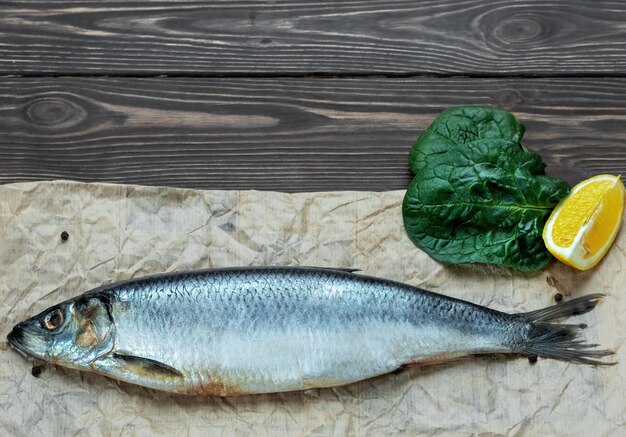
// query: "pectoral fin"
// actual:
[[139, 370], [146, 366]]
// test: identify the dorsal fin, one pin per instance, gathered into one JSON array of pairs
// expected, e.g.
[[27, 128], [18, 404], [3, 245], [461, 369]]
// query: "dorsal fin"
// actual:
[[338, 269]]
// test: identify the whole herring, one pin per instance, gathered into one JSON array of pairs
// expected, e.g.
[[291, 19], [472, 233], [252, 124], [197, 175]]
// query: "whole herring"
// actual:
[[260, 330]]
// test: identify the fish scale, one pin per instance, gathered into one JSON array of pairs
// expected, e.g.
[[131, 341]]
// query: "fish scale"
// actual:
[[258, 330], [282, 299]]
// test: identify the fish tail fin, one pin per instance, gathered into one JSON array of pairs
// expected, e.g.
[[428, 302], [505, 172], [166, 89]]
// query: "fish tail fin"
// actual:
[[561, 341]]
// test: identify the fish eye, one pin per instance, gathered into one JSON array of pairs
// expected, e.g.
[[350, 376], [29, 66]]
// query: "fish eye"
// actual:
[[53, 319]]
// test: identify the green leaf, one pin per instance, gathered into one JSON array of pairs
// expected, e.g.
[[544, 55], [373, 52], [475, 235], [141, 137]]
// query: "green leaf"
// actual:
[[478, 196]]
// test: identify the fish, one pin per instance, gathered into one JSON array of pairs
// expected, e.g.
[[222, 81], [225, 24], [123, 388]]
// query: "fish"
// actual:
[[251, 330]]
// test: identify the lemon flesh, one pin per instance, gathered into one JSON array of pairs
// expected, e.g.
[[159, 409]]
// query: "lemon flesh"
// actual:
[[583, 226]]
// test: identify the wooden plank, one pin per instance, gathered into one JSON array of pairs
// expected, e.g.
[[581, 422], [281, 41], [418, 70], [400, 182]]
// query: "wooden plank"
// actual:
[[503, 37], [282, 134]]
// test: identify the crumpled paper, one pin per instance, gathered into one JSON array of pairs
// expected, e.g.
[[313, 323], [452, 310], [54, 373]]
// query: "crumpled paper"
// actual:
[[118, 232]]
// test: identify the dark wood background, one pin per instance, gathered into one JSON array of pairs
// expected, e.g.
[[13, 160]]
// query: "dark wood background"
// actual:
[[298, 96]]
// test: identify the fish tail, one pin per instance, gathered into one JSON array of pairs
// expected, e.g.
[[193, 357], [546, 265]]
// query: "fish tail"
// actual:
[[542, 338]]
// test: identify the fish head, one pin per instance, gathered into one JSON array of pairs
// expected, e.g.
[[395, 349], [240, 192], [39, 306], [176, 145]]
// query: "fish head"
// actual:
[[71, 334]]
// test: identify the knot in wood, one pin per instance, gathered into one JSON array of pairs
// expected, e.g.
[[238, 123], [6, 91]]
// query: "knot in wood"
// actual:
[[509, 98], [54, 112], [521, 29]]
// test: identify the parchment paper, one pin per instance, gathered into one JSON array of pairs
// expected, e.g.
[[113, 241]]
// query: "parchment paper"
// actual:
[[118, 232]]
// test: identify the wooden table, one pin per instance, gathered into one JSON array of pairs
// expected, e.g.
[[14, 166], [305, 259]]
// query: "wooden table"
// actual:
[[298, 96]]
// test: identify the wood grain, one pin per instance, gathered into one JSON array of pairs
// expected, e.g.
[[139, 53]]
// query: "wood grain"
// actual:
[[475, 37], [285, 134]]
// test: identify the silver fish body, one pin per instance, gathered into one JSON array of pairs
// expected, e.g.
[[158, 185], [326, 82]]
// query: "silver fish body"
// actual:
[[259, 330]]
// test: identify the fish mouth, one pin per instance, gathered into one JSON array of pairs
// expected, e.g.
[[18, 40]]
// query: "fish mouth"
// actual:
[[15, 339]]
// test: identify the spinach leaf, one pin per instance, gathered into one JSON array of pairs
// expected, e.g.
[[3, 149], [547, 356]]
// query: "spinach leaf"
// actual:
[[478, 195]]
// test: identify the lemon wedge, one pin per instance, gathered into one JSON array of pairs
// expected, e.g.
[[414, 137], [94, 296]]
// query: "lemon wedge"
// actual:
[[584, 224]]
